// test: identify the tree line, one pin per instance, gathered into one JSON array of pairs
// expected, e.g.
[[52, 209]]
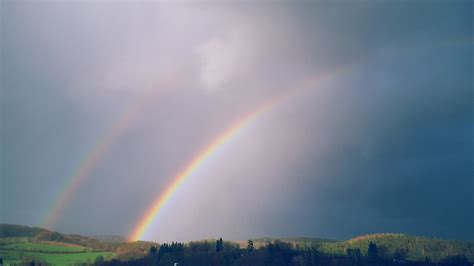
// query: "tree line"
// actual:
[[273, 253]]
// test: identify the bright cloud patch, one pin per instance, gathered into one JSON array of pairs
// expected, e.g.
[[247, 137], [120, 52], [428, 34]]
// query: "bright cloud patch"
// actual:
[[224, 59]]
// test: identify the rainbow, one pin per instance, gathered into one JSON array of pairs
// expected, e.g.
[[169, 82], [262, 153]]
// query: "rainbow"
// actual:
[[163, 198], [86, 167], [90, 161], [198, 160]]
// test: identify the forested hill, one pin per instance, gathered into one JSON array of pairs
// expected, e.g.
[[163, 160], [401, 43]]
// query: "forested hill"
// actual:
[[13, 230], [413, 247], [18, 233], [388, 245]]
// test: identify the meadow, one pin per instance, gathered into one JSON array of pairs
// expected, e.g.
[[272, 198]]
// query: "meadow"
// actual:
[[52, 253], [45, 248]]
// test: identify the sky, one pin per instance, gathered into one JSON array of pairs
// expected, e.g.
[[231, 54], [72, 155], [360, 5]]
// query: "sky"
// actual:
[[384, 144]]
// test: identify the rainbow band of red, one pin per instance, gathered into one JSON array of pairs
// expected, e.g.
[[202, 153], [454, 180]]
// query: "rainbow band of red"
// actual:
[[165, 196], [55, 211], [85, 168], [145, 222]]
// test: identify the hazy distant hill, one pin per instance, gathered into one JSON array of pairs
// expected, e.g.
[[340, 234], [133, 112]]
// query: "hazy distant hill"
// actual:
[[110, 238], [12, 230]]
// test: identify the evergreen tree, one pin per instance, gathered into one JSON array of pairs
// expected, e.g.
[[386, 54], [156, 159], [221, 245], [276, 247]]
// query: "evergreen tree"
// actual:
[[372, 251], [250, 247], [219, 245], [153, 251]]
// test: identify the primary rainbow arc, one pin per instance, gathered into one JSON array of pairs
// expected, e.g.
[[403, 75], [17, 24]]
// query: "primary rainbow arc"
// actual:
[[198, 160], [151, 214]]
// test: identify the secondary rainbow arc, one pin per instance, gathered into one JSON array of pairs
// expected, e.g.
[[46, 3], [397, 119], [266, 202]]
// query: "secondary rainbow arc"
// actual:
[[90, 161]]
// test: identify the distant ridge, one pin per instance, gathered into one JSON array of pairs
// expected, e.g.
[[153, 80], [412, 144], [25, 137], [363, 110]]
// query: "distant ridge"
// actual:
[[294, 239], [109, 238], [372, 237], [36, 234], [13, 230]]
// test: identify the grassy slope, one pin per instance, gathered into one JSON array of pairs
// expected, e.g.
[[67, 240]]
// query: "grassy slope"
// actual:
[[44, 247], [54, 259], [16, 233], [53, 253], [22, 242]]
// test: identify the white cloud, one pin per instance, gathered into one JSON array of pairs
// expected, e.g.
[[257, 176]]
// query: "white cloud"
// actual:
[[225, 59]]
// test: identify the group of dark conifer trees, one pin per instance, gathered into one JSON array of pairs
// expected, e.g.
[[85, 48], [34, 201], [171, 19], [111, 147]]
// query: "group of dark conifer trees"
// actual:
[[273, 253]]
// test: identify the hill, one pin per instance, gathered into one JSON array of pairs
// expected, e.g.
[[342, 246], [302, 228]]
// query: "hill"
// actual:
[[302, 242], [109, 238], [13, 230], [19, 241], [10, 233], [413, 247], [19, 245]]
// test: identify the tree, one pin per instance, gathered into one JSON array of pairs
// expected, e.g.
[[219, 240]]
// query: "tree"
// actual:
[[99, 260], [458, 260], [219, 245], [400, 254], [153, 251], [382, 251], [353, 254], [372, 251], [250, 247]]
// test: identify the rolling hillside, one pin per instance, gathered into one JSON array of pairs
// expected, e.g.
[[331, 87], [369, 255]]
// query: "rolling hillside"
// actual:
[[18, 242], [414, 247], [21, 245], [10, 233]]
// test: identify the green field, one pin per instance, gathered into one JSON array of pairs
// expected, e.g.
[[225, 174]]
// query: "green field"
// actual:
[[43, 247], [54, 254], [12, 257]]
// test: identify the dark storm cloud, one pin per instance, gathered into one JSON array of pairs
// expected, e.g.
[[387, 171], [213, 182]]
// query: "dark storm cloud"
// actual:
[[385, 146], [408, 154]]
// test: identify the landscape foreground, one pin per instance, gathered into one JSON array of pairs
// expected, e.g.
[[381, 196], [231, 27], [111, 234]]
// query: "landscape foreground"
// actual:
[[22, 245]]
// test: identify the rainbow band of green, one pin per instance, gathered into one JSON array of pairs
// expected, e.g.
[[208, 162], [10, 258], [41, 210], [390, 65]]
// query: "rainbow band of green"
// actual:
[[85, 168], [55, 211], [152, 213]]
